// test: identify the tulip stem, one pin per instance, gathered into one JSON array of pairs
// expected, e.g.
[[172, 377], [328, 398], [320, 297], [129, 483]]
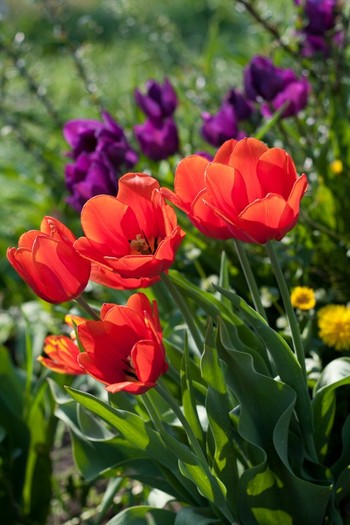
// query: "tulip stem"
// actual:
[[249, 276], [185, 311], [85, 306], [293, 323]]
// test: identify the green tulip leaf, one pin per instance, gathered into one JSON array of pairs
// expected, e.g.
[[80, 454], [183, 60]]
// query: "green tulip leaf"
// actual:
[[335, 375], [191, 516], [266, 410], [188, 395], [143, 515]]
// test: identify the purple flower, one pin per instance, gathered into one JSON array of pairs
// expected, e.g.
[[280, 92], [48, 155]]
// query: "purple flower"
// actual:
[[294, 96], [263, 79], [160, 100], [319, 21], [158, 139], [100, 151], [320, 15], [243, 107], [221, 126]]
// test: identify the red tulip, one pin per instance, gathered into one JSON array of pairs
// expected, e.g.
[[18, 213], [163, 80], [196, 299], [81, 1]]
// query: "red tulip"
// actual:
[[124, 350], [62, 354], [189, 185], [49, 264], [253, 190], [132, 238]]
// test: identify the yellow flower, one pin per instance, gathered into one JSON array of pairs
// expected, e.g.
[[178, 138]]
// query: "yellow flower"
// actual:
[[334, 326], [303, 298], [336, 167]]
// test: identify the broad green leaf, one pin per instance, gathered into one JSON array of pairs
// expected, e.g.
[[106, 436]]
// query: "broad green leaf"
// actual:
[[265, 516], [143, 515], [343, 462], [195, 516], [220, 425], [188, 396], [193, 468], [138, 434], [288, 368], [334, 375], [266, 408], [93, 428], [11, 383]]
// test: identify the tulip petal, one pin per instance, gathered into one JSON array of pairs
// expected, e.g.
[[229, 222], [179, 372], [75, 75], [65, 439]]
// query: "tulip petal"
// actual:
[[148, 361], [226, 189], [298, 190], [266, 219], [224, 152], [114, 280], [56, 230], [205, 219], [244, 158], [276, 172], [189, 179], [108, 224], [133, 387]]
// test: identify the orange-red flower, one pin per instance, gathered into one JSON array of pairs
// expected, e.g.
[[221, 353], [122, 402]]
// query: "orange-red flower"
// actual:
[[62, 351], [132, 238], [124, 350], [253, 189], [49, 264], [189, 186], [62, 354]]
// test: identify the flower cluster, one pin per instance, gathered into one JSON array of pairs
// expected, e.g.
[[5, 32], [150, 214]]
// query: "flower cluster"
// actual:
[[266, 86], [248, 192], [101, 153], [157, 136], [276, 87], [318, 20]]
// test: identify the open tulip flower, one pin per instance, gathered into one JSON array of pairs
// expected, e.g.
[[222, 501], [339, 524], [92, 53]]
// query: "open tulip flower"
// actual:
[[124, 350], [132, 238], [49, 263], [249, 192]]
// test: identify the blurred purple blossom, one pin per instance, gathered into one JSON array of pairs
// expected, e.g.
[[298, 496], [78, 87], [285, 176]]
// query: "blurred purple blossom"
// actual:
[[242, 106], [294, 96], [160, 100], [100, 153], [221, 126], [319, 21], [320, 15], [224, 124], [158, 139], [263, 79], [276, 86]]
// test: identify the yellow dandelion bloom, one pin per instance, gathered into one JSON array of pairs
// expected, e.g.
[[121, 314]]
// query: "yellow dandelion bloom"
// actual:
[[334, 326], [336, 167], [303, 298]]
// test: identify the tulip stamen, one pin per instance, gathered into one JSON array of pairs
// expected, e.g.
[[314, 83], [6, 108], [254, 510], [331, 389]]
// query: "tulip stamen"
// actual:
[[130, 369], [141, 244]]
